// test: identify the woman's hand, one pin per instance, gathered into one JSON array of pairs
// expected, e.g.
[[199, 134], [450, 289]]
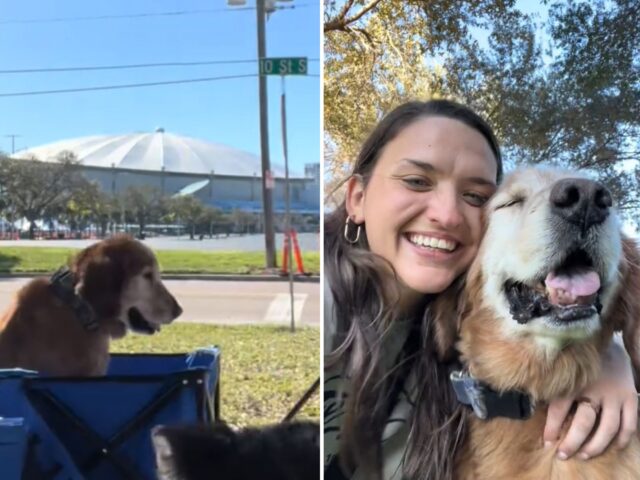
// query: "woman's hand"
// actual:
[[613, 397]]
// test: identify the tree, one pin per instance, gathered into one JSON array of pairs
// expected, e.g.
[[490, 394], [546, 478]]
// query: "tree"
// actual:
[[381, 53], [188, 210], [144, 204], [32, 187], [580, 106], [89, 205], [7, 207], [242, 220], [76, 210], [104, 210], [210, 217], [570, 97]]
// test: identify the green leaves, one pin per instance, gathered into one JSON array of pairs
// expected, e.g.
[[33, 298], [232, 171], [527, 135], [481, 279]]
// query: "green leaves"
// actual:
[[34, 189], [393, 53], [566, 91]]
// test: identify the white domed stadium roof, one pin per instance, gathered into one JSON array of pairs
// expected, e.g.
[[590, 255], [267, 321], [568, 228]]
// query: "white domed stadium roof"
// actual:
[[153, 151]]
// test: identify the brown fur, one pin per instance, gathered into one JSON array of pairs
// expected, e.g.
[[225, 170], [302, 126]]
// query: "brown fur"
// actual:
[[504, 449], [627, 306], [39, 332]]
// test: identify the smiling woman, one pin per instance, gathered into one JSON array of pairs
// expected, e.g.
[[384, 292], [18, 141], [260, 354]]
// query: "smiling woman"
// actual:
[[421, 202], [412, 221], [395, 250]]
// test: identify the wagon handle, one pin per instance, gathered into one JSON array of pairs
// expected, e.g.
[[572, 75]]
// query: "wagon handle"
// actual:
[[300, 403]]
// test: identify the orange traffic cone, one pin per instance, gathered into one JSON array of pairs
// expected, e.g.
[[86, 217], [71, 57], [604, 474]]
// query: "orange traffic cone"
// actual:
[[285, 256], [296, 252]]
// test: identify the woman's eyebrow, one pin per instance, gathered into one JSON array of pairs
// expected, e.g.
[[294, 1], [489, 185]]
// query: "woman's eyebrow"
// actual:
[[427, 167], [421, 164], [480, 181]]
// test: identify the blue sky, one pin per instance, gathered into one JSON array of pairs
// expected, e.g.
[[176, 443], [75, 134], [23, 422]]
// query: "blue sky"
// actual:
[[224, 111]]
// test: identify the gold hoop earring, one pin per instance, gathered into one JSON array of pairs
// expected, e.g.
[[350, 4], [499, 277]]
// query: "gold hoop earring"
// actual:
[[346, 232]]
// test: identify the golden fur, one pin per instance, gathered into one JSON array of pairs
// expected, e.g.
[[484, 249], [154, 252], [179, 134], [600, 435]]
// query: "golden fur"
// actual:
[[500, 353], [40, 332]]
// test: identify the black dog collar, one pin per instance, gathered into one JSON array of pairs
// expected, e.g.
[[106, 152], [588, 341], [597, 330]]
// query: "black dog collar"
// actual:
[[486, 402], [62, 285]]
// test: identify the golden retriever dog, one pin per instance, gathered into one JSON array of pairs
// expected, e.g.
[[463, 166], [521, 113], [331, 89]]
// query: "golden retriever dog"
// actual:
[[553, 279], [63, 326]]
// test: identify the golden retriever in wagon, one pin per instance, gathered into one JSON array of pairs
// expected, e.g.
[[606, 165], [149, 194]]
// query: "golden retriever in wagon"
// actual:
[[553, 279], [63, 326]]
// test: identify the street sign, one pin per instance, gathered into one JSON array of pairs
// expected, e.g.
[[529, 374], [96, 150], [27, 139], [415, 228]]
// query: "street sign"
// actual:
[[283, 66], [269, 181]]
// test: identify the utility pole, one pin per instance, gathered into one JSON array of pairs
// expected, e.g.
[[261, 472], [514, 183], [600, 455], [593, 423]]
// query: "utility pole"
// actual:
[[13, 137], [267, 194]]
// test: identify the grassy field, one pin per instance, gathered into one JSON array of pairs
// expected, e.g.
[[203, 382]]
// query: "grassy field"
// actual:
[[265, 370], [45, 259]]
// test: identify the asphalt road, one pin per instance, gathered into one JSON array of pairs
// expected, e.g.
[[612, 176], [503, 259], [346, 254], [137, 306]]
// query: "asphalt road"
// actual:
[[225, 302], [309, 242]]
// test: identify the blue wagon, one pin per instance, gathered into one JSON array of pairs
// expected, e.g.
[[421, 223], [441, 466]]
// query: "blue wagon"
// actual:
[[99, 428]]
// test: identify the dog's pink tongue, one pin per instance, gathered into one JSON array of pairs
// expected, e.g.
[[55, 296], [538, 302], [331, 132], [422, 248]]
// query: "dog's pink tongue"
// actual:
[[573, 286]]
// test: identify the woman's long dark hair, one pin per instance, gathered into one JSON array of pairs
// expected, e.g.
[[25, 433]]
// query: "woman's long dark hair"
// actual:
[[364, 310]]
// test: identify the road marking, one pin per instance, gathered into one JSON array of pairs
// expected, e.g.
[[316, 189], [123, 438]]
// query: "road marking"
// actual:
[[279, 310]]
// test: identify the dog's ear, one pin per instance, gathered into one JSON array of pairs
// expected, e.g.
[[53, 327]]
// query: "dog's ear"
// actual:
[[194, 451], [99, 279], [626, 305]]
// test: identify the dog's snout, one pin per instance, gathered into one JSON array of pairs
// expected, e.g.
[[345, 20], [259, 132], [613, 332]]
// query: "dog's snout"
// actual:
[[581, 202], [176, 310]]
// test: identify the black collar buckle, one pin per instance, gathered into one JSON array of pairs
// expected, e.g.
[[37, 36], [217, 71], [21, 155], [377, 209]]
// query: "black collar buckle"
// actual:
[[62, 285], [63, 277], [486, 403]]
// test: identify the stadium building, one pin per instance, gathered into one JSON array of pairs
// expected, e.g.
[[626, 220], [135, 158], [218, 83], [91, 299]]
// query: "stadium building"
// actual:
[[218, 175]]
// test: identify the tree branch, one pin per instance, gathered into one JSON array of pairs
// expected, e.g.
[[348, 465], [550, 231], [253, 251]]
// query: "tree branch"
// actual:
[[341, 22]]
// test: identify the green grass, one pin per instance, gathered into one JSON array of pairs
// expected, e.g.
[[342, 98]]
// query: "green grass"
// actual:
[[45, 259], [265, 370]]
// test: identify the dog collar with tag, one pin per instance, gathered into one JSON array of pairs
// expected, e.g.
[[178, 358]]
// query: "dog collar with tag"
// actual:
[[62, 286], [486, 402]]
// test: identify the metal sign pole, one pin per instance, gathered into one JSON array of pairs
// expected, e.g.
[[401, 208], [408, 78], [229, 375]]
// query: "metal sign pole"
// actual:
[[287, 221]]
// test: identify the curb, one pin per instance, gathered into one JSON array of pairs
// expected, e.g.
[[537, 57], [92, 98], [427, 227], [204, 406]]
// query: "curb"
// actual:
[[196, 276], [243, 278]]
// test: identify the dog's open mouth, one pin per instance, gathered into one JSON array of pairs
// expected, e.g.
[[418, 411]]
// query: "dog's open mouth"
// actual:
[[139, 324], [568, 293]]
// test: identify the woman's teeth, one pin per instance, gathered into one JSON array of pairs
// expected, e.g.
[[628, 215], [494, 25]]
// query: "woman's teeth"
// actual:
[[425, 241]]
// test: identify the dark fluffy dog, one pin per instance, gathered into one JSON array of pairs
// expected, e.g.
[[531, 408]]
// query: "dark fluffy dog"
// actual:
[[287, 451]]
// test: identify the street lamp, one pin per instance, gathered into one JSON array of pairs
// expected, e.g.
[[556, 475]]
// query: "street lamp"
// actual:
[[264, 7]]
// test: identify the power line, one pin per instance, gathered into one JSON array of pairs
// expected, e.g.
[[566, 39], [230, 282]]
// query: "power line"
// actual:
[[143, 15], [131, 85], [132, 66]]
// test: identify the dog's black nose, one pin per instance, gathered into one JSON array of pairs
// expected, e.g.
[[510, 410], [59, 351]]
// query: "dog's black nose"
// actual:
[[581, 202], [177, 309]]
